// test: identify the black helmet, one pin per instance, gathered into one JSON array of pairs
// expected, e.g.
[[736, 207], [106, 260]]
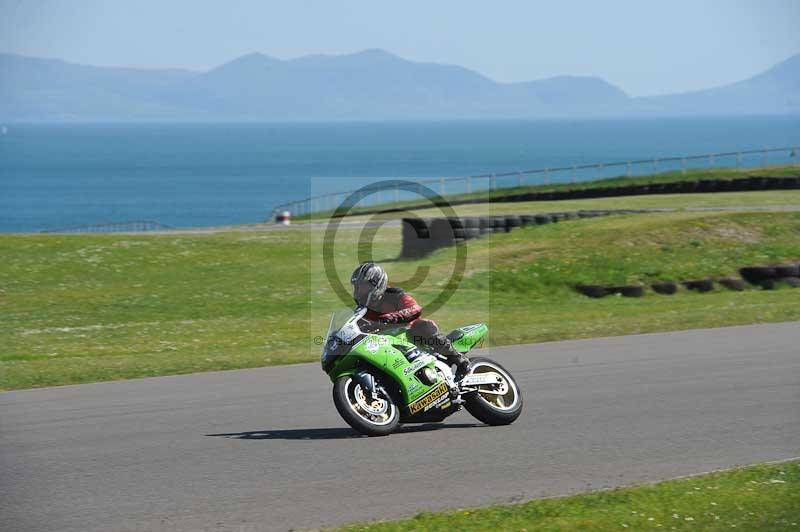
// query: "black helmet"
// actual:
[[369, 283]]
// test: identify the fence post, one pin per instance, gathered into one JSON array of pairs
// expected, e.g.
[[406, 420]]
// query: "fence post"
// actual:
[[738, 160], [546, 176], [655, 166], [469, 184], [519, 179], [493, 183], [600, 170], [441, 186]]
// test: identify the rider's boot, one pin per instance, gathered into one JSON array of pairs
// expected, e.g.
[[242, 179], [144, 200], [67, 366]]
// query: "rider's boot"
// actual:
[[444, 347]]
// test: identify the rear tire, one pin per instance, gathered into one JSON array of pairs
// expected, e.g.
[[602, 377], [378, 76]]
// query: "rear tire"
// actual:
[[490, 412], [354, 407]]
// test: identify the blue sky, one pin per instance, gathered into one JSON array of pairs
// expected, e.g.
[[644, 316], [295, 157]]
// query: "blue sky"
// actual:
[[644, 47]]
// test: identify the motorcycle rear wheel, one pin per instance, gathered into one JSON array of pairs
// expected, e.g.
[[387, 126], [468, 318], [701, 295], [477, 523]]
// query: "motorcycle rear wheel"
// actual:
[[378, 417], [494, 409]]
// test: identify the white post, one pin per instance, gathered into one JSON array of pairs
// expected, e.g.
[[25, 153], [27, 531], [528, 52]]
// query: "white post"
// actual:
[[441, 186], [469, 185], [655, 166], [546, 176], [711, 162], [493, 183], [599, 170], [628, 169], [519, 179]]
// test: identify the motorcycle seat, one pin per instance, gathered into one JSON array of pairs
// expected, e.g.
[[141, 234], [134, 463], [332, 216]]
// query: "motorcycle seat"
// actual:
[[455, 335]]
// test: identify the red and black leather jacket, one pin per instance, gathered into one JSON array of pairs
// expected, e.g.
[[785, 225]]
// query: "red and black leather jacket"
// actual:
[[396, 306]]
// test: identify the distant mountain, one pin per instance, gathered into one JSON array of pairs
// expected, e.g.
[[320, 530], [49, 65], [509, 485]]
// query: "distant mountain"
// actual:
[[776, 91], [369, 85], [48, 89]]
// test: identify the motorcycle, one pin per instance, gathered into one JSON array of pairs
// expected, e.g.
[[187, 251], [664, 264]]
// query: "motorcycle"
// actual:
[[381, 380]]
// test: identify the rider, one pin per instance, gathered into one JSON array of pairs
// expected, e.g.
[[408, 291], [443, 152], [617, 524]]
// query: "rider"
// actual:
[[389, 305]]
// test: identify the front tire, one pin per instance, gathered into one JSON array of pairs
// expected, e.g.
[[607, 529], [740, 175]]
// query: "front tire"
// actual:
[[494, 408], [379, 417]]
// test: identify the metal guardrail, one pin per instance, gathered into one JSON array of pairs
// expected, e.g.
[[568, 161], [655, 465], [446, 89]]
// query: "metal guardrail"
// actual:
[[564, 174], [131, 226]]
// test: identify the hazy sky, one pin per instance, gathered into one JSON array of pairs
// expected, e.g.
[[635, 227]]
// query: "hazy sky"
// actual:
[[644, 47]]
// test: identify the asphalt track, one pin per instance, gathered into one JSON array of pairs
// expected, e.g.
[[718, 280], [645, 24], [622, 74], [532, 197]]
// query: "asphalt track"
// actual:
[[264, 449]]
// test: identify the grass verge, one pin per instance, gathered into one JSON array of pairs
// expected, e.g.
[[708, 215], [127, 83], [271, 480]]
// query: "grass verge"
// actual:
[[760, 498], [83, 308]]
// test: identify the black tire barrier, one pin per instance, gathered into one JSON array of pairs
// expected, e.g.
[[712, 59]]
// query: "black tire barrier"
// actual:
[[675, 187], [732, 283], [787, 270], [472, 223], [666, 288], [632, 290], [457, 226], [699, 285], [416, 237], [486, 224], [472, 232], [755, 274], [456, 223], [499, 223], [767, 284], [512, 222], [422, 236], [592, 290], [794, 282], [442, 233]]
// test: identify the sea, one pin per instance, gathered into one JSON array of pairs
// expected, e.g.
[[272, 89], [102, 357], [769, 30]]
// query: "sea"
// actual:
[[55, 176]]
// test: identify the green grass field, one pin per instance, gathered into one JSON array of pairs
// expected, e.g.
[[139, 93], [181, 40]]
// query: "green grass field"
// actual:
[[762, 498], [82, 308]]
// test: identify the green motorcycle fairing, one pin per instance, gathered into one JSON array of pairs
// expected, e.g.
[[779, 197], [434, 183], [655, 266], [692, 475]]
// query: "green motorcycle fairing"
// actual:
[[388, 353]]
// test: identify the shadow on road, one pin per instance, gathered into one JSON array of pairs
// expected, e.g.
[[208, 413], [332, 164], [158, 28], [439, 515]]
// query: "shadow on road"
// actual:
[[331, 433]]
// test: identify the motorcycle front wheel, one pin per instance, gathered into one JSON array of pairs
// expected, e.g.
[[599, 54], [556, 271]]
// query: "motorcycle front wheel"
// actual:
[[378, 416], [495, 404]]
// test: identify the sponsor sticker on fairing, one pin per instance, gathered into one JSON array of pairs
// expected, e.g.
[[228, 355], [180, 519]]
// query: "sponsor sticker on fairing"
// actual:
[[421, 362], [429, 399]]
